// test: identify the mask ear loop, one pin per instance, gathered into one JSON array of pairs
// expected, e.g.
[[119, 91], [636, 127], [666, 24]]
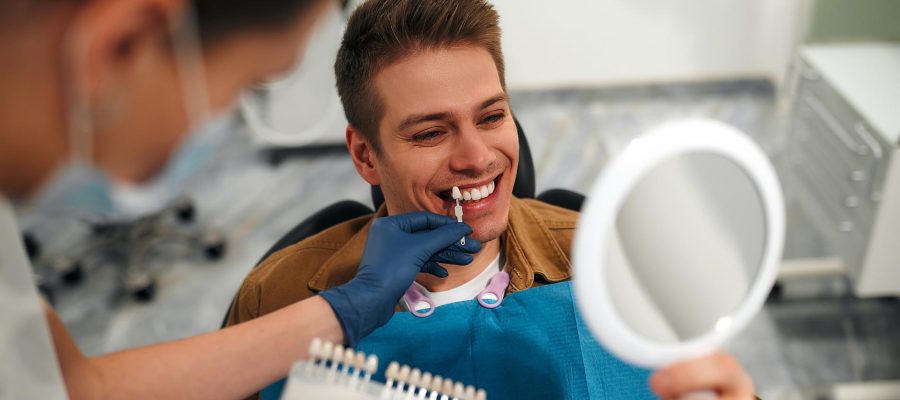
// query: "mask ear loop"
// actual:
[[188, 53], [191, 75], [80, 127]]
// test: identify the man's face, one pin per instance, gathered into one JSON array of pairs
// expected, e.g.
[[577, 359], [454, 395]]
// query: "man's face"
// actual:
[[447, 123]]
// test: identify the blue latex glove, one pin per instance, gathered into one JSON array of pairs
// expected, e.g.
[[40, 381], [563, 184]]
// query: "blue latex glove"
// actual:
[[397, 248]]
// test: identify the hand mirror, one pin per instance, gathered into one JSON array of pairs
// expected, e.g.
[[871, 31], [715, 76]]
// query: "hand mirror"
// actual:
[[678, 243]]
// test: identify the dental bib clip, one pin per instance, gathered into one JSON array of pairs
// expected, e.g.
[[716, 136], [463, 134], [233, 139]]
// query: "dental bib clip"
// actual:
[[418, 303], [493, 294], [491, 297]]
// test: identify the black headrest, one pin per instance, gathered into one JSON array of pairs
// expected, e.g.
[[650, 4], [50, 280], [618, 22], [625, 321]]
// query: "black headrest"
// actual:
[[524, 186]]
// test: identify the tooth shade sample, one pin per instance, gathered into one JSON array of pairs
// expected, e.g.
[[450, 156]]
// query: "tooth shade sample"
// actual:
[[476, 194], [467, 195], [456, 193], [484, 192]]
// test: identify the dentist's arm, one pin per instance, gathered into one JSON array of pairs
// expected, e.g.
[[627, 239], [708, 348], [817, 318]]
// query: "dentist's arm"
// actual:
[[238, 361]]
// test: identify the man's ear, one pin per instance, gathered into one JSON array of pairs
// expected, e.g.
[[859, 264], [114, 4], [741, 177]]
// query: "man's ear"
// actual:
[[363, 155], [107, 38]]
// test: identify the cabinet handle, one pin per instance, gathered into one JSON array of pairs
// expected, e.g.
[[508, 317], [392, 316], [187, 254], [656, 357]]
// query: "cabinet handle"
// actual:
[[829, 119]]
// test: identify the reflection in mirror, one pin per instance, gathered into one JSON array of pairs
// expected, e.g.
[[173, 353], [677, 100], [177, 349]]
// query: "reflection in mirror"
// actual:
[[689, 241]]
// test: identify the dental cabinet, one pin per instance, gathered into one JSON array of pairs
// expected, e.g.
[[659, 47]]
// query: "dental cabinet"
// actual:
[[843, 153]]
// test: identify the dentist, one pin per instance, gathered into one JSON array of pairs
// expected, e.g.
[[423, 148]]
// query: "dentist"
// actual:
[[111, 86]]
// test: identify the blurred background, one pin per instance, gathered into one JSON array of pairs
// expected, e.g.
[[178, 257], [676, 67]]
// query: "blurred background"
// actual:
[[815, 82]]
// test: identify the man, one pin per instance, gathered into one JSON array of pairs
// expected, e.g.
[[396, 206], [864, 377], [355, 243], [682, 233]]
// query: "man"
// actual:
[[422, 85]]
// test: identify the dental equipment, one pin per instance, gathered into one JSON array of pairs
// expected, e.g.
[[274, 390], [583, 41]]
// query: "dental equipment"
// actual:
[[457, 195], [424, 384], [437, 384], [351, 379], [413, 383]]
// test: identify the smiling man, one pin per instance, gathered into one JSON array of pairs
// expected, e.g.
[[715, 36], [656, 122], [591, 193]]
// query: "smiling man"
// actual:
[[422, 85]]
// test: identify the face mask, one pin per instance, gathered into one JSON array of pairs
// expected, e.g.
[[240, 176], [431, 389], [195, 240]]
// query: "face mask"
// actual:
[[78, 185], [195, 151]]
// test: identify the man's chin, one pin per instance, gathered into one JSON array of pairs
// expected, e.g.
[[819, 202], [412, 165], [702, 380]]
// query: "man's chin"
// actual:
[[489, 232]]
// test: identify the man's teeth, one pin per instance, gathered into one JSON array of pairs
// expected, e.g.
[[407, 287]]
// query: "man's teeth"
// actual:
[[475, 194]]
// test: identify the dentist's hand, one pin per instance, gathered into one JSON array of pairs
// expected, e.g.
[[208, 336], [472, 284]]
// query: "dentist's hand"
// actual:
[[718, 373], [397, 248]]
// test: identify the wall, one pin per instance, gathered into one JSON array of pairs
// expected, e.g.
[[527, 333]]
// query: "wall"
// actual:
[[843, 20], [565, 43]]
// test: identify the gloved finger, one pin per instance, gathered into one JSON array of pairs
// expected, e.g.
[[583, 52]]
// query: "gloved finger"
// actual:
[[434, 241], [471, 246], [452, 257], [419, 220], [433, 268]]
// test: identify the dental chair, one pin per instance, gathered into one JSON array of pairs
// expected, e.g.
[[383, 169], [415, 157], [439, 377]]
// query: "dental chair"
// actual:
[[133, 246], [523, 188]]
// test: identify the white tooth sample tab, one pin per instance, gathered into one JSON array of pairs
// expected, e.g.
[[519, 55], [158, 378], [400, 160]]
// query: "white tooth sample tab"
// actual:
[[458, 211]]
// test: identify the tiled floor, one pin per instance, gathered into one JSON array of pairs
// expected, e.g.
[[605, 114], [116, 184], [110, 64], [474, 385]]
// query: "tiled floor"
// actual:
[[804, 341]]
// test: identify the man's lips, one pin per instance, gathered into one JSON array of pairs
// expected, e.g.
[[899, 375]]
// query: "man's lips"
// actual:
[[447, 195]]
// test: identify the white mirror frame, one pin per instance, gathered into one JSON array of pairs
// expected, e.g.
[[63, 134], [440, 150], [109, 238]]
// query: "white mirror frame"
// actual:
[[607, 196]]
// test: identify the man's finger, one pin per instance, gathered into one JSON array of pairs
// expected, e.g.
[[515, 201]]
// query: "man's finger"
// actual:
[[719, 372]]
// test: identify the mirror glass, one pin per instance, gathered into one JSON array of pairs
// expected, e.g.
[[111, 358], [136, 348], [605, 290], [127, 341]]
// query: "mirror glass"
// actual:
[[687, 244]]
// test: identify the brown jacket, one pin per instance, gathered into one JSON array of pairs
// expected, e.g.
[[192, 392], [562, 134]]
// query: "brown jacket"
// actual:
[[536, 244]]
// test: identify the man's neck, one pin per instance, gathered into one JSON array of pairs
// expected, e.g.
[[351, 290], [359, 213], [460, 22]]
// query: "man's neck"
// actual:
[[460, 274]]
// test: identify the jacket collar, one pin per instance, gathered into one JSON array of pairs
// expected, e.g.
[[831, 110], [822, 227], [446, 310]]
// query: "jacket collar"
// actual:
[[528, 245]]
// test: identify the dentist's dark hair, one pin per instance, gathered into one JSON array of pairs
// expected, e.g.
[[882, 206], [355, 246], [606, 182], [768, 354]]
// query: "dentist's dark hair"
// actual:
[[218, 19]]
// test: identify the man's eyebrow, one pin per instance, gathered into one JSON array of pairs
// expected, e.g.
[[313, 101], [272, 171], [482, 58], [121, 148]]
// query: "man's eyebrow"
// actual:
[[493, 100], [417, 118]]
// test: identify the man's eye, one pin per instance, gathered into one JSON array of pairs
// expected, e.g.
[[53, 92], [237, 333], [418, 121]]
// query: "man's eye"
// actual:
[[426, 136], [493, 118]]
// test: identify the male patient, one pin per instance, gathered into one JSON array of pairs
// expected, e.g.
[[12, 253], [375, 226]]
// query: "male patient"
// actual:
[[422, 85]]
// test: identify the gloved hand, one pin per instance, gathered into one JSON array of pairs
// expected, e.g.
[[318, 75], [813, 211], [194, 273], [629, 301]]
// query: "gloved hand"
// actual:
[[397, 248]]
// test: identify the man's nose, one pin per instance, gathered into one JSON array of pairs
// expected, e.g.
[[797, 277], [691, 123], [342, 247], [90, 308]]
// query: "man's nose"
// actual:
[[471, 153]]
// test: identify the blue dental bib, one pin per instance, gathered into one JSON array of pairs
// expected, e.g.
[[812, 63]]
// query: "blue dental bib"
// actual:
[[534, 346]]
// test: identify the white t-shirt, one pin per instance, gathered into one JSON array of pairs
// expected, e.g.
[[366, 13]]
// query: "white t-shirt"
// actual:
[[28, 364], [466, 291]]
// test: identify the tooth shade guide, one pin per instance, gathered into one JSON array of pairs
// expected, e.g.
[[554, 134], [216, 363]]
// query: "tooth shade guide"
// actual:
[[413, 381], [436, 384], [334, 371], [458, 390], [447, 390], [424, 384], [470, 392]]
